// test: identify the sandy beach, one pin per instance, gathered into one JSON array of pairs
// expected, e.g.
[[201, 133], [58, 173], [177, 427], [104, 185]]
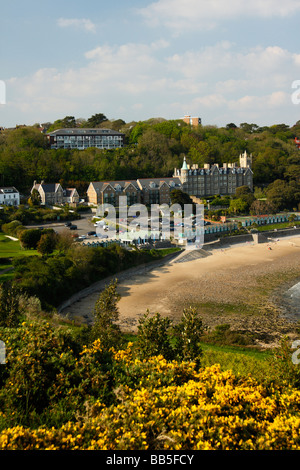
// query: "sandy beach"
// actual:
[[230, 285]]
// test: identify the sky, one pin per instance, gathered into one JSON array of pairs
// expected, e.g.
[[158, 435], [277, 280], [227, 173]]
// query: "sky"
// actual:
[[230, 61]]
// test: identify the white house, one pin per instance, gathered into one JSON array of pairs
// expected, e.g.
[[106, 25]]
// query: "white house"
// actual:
[[9, 196]]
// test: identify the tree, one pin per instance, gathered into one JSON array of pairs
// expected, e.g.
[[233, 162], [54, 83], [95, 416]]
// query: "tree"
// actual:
[[29, 238], [179, 197], [261, 207], [64, 241], [238, 205], [283, 195], [245, 194], [249, 128], [95, 120], [292, 218], [68, 121], [106, 315], [35, 198], [47, 243]]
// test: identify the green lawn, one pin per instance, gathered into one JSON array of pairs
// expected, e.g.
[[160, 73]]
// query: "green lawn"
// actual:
[[10, 249], [262, 228]]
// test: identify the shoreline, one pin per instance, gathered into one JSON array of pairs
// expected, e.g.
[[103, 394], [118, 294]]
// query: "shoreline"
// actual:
[[227, 286]]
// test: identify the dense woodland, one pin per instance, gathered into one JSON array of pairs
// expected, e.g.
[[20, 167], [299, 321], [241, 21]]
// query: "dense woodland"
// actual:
[[153, 148]]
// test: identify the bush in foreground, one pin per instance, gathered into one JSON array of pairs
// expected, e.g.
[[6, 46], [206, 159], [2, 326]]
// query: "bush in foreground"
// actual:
[[57, 394]]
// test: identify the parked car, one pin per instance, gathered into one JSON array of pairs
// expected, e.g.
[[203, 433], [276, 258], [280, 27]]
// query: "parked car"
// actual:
[[91, 233], [73, 227], [68, 224]]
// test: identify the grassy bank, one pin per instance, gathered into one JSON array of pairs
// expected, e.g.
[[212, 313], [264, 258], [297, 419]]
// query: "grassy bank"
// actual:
[[264, 228], [241, 360], [10, 250]]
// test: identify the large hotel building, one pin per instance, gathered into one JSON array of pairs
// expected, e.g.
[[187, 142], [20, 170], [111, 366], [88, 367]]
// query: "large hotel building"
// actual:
[[198, 182]]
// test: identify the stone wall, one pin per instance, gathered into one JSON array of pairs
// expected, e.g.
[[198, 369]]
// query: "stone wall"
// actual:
[[235, 239]]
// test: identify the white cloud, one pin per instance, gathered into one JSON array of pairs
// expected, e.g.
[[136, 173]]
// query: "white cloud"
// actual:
[[186, 15], [217, 81], [81, 23]]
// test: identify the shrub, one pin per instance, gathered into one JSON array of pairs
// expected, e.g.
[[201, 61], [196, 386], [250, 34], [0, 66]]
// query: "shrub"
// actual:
[[158, 336], [106, 315], [223, 335], [172, 407], [188, 334], [284, 369], [11, 227], [154, 336], [47, 378], [10, 312]]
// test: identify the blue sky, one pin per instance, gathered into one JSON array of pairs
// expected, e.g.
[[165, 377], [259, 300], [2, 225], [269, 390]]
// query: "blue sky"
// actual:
[[224, 61]]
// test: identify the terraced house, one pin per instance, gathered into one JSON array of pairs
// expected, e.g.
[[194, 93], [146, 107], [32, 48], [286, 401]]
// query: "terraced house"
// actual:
[[199, 182], [53, 193], [108, 192], [145, 191], [157, 190]]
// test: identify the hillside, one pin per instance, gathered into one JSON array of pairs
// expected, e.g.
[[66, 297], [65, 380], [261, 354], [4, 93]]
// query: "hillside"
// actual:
[[153, 148]]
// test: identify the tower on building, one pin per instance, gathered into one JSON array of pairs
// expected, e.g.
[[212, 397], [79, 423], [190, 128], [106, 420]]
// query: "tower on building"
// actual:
[[184, 171], [245, 160]]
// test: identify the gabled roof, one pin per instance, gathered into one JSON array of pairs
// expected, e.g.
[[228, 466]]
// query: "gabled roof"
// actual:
[[101, 185], [70, 192], [158, 182], [47, 187], [8, 190]]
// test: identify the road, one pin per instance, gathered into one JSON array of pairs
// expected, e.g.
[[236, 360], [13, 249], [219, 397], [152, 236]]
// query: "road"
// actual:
[[84, 225]]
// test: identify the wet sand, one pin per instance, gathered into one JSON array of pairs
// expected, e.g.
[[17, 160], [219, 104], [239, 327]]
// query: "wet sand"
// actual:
[[227, 286]]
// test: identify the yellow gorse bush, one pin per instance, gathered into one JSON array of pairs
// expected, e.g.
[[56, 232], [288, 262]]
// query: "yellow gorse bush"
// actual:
[[199, 409]]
